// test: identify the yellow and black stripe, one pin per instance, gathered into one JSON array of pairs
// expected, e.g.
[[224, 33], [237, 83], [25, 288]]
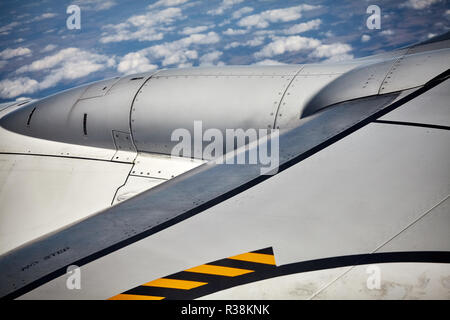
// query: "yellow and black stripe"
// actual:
[[206, 279], [255, 266]]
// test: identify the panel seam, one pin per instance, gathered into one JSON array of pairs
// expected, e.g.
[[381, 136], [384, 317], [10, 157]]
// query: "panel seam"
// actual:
[[382, 245], [284, 93], [413, 124]]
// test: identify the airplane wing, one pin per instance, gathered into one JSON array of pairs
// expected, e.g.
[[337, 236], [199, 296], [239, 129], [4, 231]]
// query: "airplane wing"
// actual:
[[356, 205]]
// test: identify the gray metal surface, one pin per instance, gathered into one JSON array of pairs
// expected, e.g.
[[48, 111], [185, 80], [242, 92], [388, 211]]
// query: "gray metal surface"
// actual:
[[433, 107], [98, 89], [169, 200], [49, 117], [286, 70], [428, 233], [86, 115], [375, 77], [399, 281], [39, 195], [170, 101], [6, 105], [435, 43], [426, 65], [362, 81]]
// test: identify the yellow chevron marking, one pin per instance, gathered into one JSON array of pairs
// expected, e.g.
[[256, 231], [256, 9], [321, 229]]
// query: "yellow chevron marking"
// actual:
[[134, 297], [255, 257], [219, 270], [174, 284]]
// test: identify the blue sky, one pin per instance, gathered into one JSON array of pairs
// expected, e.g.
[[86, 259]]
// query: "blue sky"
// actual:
[[39, 55]]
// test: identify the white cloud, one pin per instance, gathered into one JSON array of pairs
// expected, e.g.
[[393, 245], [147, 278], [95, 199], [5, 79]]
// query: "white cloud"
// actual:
[[225, 5], [185, 65], [135, 62], [19, 40], [141, 35], [304, 26], [224, 22], [191, 30], [387, 32], [257, 41], [287, 44], [328, 50], [269, 62], [104, 5], [365, 38], [233, 44], [11, 53], [67, 64], [177, 57], [209, 58], [70, 57], [44, 16], [334, 52], [280, 45], [49, 47], [177, 52], [95, 5], [167, 3], [263, 19], [23, 99], [199, 38], [13, 88], [153, 18], [146, 27], [240, 12], [339, 58], [232, 32], [7, 28], [270, 33], [419, 4]]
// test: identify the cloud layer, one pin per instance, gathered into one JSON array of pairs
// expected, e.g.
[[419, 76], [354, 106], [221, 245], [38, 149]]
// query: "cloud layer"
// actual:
[[263, 19], [67, 64], [40, 56]]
